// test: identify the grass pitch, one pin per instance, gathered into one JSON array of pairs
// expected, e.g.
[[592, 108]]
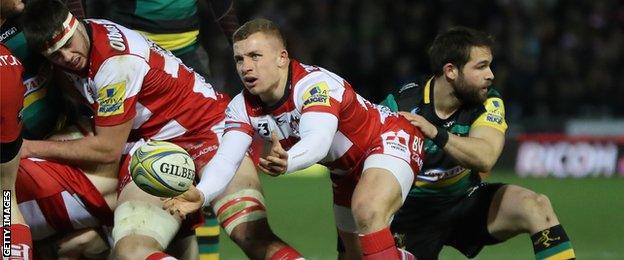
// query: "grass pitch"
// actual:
[[591, 210]]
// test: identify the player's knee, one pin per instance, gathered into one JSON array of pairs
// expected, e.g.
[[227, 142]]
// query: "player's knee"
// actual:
[[537, 207], [135, 247], [365, 214]]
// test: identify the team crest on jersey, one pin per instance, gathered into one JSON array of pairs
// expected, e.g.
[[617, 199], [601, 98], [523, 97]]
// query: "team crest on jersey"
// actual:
[[111, 99], [318, 94]]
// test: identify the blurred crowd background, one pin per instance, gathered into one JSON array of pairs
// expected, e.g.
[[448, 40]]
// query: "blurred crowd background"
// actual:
[[554, 58]]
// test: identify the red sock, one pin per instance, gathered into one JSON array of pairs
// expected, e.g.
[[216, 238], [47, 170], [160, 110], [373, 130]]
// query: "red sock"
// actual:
[[286, 253], [21, 242], [379, 245], [160, 256]]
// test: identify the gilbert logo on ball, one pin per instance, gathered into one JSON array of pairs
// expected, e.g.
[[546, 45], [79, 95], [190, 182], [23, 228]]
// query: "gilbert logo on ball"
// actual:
[[162, 169]]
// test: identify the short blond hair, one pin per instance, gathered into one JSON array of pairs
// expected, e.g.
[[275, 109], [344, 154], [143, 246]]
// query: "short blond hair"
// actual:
[[258, 25]]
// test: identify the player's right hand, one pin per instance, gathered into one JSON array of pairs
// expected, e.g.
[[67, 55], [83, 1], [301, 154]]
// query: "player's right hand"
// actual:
[[187, 203], [427, 128]]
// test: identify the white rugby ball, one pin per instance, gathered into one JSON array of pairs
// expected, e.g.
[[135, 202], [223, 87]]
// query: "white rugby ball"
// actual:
[[162, 169]]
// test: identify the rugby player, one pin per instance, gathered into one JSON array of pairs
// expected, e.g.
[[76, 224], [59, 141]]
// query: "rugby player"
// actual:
[[138, 92], [463, 119], [372, 153]]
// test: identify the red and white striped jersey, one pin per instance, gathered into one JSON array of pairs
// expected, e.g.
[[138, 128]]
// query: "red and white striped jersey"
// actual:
[[131, 78], [314, 89]]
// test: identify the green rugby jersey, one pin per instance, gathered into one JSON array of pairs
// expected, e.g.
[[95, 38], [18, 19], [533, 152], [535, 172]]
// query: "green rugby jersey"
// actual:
[[440, 174], [172, 24], [42, 101]]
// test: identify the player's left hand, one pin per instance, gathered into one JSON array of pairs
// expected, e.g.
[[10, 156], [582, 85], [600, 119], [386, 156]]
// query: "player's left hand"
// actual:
[[428, 129], [276, 163]]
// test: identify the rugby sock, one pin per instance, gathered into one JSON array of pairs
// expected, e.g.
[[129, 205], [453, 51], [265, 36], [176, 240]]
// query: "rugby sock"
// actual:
[[552, 244], [208, 239], [286, 253], [379, 245], [160, 256], [21, 242]]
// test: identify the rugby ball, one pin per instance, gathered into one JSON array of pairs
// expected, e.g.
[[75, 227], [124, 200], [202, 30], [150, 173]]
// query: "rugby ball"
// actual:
[[162, 169]]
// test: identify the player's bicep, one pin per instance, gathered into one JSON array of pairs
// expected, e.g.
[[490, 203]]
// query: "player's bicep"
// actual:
[[492, 136], [319, 92]]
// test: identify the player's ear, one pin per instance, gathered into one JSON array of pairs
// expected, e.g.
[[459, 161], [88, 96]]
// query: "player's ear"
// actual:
[[283, 58], [450, 71]]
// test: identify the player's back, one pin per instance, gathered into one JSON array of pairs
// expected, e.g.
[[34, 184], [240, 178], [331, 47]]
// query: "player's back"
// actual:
[[131, 77]]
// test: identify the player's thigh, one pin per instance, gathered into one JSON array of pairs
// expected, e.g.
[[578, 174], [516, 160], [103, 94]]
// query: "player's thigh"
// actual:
[[105, 185], [383, 186], [139, 217]]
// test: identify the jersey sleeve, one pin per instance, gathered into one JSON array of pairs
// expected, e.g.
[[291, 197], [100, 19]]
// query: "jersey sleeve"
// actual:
[[236, 118], [118, 82], [319, 92], [494, 115]]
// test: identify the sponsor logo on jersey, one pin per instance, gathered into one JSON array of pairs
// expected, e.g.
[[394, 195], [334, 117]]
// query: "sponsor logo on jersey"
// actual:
[[318, 94], [115, 38], [493, 118], [111, 99], [8, 33], [396, 144], [448, 124], [433, 175], [407, 86], [9, 60]]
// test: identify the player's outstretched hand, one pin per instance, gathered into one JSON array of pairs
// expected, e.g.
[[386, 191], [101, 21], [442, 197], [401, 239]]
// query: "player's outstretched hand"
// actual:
[[276, 163], [187, 203], [428, 129]]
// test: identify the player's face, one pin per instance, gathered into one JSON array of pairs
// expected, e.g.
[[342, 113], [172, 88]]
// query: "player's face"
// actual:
[[259, 59], [9, 8], [74, 55], [475, 77]]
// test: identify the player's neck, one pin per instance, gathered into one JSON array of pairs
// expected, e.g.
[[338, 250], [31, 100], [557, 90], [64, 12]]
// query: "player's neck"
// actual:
[[445, 100]]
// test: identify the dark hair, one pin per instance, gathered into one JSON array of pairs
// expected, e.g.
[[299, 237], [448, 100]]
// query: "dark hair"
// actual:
[[453, 46], [41, 19], [258, 25]]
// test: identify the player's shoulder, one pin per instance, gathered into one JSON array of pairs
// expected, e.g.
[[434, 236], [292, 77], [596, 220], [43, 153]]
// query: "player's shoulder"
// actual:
[[109, 38], [494, 101]]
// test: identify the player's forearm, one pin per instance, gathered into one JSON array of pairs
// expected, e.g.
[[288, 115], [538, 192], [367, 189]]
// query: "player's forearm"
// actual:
[[88, 150], [317, 133], [471, 152], [221, 169]]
